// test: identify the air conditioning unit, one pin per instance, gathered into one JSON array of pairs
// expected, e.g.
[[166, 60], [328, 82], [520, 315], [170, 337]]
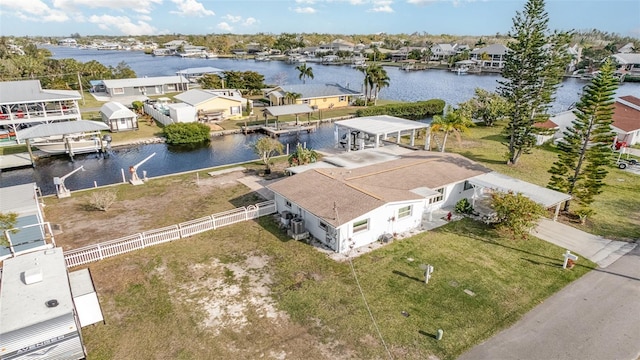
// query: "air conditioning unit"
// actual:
[[285, 218], [297, 226]]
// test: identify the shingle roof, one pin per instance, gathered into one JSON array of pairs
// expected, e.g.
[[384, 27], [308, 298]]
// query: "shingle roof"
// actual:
[[14, 92], [355, 192], [626, 114]]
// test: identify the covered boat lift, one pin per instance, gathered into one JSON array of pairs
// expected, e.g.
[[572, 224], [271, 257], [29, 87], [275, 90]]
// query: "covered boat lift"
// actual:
[[376, 129], [499, 182], [62, 129], [282, 110]]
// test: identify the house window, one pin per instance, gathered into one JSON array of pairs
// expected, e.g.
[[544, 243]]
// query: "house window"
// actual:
[[117, 91], [322, 226], [437, 198], [305, 101], [123, 121], [235, 110], [287, 203], [342, 98], [404, 211], [467, 186], [362, 225]]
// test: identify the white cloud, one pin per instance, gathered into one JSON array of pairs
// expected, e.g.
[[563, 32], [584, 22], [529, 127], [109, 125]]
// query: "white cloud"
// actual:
[[382, 6], [35, 10], [139, 6], [310, 2], [233, 19], [305, 10], [146, 18], [249, 21], [225, 27], [123, 24], [191, 8]]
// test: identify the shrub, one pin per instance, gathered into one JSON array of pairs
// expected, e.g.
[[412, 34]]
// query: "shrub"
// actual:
[[102, 200], [463, 207], [187, 133], [516, 214], [417, 110]]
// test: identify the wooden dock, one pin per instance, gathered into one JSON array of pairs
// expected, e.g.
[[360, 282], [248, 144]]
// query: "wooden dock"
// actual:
[[287, 129]]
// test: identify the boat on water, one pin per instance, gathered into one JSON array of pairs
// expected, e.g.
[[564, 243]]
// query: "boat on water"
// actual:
[[68, 144]]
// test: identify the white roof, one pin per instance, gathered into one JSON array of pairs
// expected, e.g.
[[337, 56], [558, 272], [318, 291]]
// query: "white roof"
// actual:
[[289, 109], [381, 124], [627, 58], [19, 199], [541, 195], [62, 128], [115, 110], [145, 81], [23, 305]]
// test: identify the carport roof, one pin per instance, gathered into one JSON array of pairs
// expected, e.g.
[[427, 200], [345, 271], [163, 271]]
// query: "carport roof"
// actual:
[[541, 195], [289, 109], [381, 124]]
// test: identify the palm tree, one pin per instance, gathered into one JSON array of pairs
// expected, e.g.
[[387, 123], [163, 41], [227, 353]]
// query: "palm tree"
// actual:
[[367, 78], [377, 80], [305, 72], [291, 97], [453, 122]]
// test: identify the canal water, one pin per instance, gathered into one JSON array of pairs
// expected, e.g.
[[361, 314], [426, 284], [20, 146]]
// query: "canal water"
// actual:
[[103, 170]]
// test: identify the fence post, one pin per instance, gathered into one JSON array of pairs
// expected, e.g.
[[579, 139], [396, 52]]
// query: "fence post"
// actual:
[[142, 240], [100, 252]]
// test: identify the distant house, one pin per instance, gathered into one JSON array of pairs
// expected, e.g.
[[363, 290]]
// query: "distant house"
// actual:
[[492, 56], [118, 117], [629, 63], [442, 51], [335, 46], [213, 105], [347, 208], [26, 103], [68, 42], [143, 87], [318, 96]]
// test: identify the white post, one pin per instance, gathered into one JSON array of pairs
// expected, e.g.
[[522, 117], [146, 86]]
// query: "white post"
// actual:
[[568, 256], [124, 179], [95, 184], [427, 273]]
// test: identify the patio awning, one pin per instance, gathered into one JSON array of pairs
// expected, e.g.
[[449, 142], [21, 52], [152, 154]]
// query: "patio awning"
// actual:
[[381, 124], [541, 195]]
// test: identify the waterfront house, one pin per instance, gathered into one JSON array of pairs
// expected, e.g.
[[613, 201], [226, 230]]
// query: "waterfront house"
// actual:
[[490, 57], [441, 52], [349, 207], [318, 96], [118, 117], [626, 120], [142, 87], [68, 42], [629, 64], [335, 46], [214, 105], [25, 103]]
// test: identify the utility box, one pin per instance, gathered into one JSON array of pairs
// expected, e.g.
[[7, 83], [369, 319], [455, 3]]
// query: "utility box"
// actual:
[[182, 113], [297, 226]]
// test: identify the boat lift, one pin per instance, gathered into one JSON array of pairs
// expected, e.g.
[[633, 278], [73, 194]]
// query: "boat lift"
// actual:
[[61, 190], [135, 180]]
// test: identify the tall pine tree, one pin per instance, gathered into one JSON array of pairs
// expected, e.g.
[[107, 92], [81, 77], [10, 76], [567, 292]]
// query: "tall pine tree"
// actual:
[[585, 150], [534, 66]]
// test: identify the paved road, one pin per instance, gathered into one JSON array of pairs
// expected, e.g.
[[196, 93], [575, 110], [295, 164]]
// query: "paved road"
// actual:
[[596, 317]]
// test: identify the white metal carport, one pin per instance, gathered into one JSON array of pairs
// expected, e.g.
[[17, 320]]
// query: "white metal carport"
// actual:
[[500, 182], [380, 127]]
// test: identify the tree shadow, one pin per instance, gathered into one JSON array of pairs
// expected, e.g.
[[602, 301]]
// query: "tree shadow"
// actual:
[[407, 276], [481, 159], [424, 333]]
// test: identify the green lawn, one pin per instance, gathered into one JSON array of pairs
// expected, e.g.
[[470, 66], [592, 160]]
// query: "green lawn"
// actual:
[[145, 302]]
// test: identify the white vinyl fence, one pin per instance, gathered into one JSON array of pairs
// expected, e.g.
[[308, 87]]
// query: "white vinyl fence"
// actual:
[[129, 243], [158, 115]]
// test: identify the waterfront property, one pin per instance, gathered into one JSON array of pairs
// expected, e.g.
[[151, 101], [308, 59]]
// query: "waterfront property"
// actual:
[[373, 200], [25, 103], [318, 96], [372, 131], [193, 74], [69, 137], [490, 57], [626, 121], [142, 87], [118, 117], [629, 64], [213, 105]]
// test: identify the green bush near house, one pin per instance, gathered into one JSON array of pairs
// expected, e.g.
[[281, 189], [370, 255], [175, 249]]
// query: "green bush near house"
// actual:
[[417, 110], [187, 133]]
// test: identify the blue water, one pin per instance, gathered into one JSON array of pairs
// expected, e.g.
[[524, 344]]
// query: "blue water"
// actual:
[[404, 86]]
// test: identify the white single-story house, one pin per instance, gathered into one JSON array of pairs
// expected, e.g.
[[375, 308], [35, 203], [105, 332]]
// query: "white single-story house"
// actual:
[[143, 87], [118, 117], [212, 105], [318, 96], [347, 207]]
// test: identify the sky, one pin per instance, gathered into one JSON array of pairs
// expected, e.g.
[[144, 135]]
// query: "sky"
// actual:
[[154, 17]]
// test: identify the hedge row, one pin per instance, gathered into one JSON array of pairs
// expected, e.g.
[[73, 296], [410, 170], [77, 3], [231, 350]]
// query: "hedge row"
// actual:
[[415, 111], [187, 133]]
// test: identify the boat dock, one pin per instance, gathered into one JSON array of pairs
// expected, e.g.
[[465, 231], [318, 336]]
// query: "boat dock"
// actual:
[[15, 161], [287, 129]]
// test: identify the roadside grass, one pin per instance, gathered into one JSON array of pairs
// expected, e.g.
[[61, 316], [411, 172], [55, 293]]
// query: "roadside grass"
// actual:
[[143, 295]]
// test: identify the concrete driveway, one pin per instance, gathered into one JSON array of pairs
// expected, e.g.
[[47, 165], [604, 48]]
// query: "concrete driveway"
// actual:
[[595, 317], [595, 248]]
